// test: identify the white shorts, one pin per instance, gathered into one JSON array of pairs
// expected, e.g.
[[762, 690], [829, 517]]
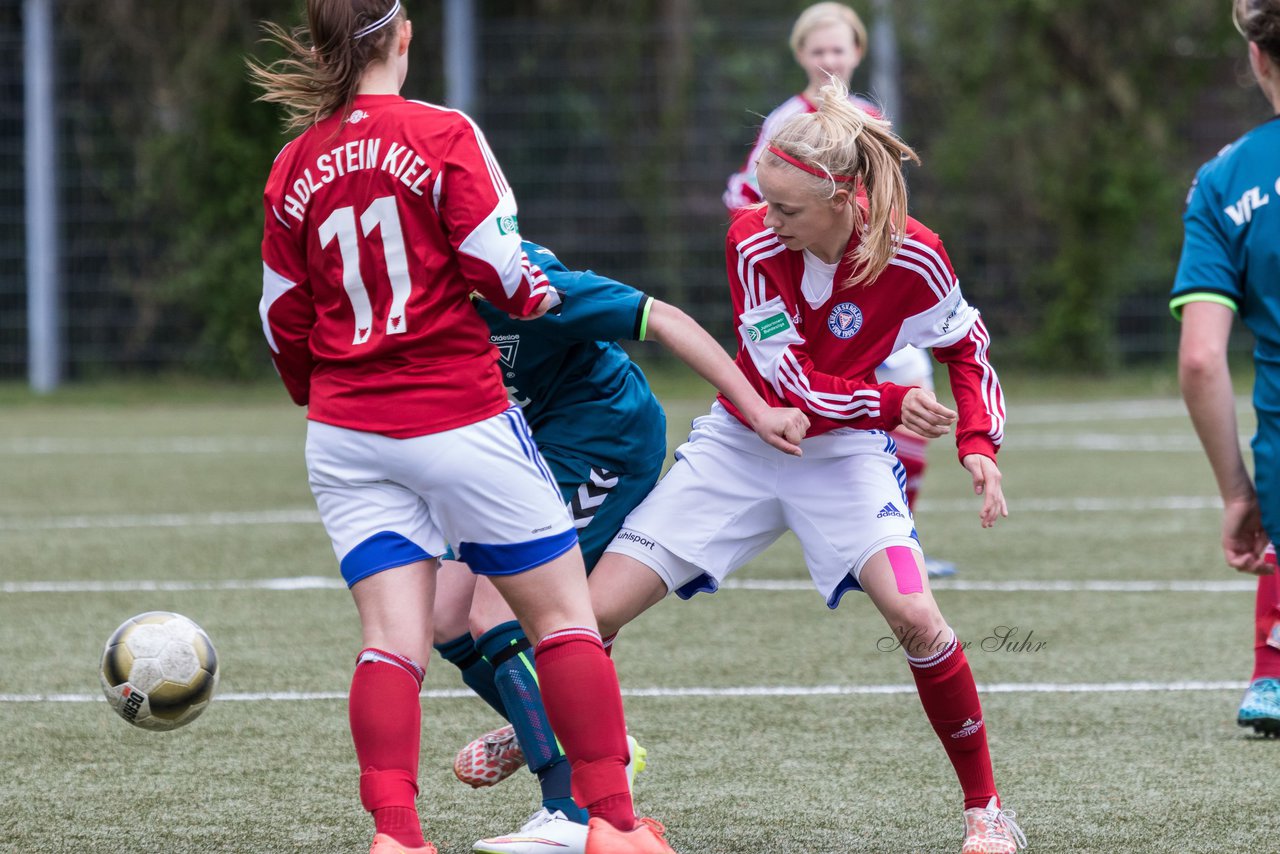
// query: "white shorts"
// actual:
[[389, 502], [729, 496], [908, 366]]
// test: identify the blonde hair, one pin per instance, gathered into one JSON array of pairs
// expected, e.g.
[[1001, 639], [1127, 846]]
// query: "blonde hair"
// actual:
[[821, 15], [325, 60], [848, 149], [1259, 22]]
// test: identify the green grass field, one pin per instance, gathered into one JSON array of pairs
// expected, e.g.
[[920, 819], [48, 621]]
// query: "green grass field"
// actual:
[[773, 724]]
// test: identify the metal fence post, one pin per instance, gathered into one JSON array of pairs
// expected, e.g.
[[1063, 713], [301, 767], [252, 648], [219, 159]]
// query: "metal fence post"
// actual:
[[44, 328], [885, 67], [460, 55]]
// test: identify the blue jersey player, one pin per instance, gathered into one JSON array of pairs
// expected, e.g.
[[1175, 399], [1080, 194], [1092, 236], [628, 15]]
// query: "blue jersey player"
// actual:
[[603, 435], [1231, 265]]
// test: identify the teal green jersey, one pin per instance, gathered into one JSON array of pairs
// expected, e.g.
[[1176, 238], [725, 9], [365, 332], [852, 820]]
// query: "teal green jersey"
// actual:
[[580, 392], [1231, 247], [1231, 256]]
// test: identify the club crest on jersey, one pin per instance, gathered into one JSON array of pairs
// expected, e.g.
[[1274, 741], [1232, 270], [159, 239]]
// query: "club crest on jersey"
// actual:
[[845, 320], [508, 224], [357, 116]]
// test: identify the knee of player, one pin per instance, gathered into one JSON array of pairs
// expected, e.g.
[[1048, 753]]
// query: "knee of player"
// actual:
[[916, 616], [608, 621], [611, 612]]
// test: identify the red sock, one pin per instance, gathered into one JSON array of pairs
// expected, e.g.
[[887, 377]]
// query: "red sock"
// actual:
[[386, 719], [912, 455], [580, 693], [950, 700], [1266, 626]]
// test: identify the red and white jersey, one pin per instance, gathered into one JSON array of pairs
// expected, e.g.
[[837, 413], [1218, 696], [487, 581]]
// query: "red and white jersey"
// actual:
[[379, 224], [743, 189], [803, 341]]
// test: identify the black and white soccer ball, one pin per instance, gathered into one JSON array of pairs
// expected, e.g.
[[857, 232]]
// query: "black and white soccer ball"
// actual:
[[159, 670]]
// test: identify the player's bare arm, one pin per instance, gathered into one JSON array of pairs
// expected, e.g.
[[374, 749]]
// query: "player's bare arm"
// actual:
[[781, 427], [1205, 379]]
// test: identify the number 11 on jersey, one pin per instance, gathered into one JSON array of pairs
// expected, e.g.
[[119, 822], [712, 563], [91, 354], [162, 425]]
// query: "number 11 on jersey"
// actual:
[[384, 215]]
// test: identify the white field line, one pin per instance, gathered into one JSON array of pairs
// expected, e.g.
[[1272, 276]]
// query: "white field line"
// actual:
[[308, 516], [1108, 410], [965, 586], [196, 446], [1134, 409], [1120, 442], [311, 582], [159, 445], [1082, 504], [295, 516], [302, 582], [741, 691]]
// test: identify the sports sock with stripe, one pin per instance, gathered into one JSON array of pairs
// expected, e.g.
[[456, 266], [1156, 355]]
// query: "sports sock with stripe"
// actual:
[[950, 700], [477, 673], [386, 725], [580, 691], [508, 652]]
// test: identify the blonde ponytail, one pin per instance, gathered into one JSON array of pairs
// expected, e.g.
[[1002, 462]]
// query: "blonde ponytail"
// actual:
[[847, 148]]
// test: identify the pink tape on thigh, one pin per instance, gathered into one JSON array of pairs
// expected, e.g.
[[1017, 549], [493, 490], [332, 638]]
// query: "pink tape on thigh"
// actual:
[[905, 572]]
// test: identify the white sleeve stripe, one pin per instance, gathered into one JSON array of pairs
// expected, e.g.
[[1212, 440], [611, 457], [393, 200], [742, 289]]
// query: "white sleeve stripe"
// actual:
[[753, 282], [282, 219], [757, 276], [850, 399], [863, 411], [938, 281], [826, 412], [499, 180], [533, 275], [990, 385], [834, 403], [938, 264], [761, 240], [937, 271], [768, 232], [897, 261]]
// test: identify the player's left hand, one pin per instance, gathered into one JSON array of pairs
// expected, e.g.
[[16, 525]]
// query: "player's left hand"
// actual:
[[783, 428], [1244, 542], [986, 482]]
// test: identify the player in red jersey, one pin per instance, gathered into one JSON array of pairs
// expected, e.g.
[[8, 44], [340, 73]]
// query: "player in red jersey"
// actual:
[[826, 39], [829, 39], [827, 281], [381, 218]]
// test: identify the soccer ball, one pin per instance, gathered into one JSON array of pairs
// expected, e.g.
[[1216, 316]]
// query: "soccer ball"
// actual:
[[159, 670]]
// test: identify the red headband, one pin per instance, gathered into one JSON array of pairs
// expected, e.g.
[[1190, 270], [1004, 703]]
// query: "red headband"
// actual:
[[812, 170]]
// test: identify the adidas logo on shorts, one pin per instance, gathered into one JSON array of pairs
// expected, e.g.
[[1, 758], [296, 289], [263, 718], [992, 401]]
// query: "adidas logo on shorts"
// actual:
[[890, 510]]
